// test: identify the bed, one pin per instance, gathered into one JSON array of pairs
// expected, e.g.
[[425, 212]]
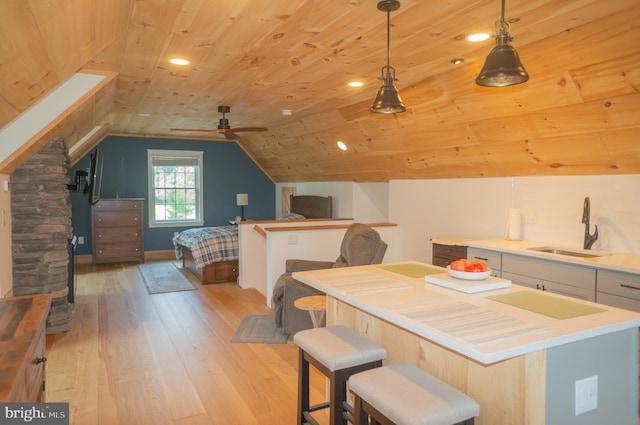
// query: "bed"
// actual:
[[211, 253]]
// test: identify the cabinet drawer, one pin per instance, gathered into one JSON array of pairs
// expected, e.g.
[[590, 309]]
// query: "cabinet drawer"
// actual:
[[451, 252], [119, 218], [492, 258], [619, 302], [619, 283], [34, 372], [226, 270], [550, 271], [118, 234]]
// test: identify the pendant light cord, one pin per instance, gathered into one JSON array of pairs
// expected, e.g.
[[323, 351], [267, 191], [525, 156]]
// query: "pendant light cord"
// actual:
[[389, 39]]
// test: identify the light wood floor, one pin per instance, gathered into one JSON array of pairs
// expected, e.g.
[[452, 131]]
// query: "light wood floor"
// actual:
[[134, 358]]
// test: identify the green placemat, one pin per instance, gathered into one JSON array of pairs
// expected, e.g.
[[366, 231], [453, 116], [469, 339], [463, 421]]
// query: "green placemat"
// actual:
[[557, 308], [412, 270]]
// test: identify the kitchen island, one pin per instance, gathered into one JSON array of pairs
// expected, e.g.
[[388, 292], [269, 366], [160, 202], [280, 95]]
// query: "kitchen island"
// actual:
[[520, 363]]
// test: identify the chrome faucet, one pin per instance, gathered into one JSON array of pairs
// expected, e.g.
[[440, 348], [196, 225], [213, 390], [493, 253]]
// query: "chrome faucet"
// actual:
[[588, 238]]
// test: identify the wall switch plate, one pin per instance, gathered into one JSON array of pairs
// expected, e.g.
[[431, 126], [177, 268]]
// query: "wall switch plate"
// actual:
[[292, 239], [586, 394], [5, 185], [80, 240]]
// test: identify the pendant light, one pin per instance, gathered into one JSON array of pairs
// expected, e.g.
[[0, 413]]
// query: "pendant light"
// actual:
[[502, 67], [387, 100]]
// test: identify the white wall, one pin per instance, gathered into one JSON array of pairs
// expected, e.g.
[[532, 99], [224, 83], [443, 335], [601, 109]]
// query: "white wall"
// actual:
[[6, 270], [551, 206]]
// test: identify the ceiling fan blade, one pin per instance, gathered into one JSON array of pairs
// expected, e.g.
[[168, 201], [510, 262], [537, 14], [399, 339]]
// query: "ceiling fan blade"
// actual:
[[210, 130], [241, 129]]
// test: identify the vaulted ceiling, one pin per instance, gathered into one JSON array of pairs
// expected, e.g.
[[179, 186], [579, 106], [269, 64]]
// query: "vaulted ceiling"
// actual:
[[578, 114]]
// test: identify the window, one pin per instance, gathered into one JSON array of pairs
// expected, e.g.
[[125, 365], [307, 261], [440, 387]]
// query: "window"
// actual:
[[175, 188]]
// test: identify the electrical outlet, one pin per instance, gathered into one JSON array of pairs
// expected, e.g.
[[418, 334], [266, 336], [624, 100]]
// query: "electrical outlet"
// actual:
[[80, 240], [586, 394]]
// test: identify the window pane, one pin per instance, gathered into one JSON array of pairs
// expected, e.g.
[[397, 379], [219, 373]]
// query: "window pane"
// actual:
[[176, 186]]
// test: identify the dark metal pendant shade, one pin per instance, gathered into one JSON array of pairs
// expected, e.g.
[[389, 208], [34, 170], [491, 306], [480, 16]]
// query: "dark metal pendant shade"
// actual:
[[502, 66], [387, 100]]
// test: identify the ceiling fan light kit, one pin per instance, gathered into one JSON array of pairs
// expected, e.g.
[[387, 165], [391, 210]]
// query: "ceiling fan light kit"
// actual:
[[387, 100], [502, 66]]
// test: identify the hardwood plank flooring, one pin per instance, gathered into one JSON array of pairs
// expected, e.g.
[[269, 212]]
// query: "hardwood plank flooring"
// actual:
[[134, 358]]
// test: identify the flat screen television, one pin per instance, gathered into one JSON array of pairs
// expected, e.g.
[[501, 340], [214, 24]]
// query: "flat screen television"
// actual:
[[95, 176]]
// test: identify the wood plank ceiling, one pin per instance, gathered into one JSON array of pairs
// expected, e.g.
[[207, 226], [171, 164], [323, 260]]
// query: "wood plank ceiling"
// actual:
[[578, 114]]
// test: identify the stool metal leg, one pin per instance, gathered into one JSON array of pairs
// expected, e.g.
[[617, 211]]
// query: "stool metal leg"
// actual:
[[303, 387]]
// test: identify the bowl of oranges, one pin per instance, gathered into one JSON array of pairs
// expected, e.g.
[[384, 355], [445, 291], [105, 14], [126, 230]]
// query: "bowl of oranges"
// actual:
[[469, 270]]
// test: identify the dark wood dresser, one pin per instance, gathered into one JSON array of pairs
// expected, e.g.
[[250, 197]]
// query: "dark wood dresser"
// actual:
[[22, 347], [118, 232], [446, 250]]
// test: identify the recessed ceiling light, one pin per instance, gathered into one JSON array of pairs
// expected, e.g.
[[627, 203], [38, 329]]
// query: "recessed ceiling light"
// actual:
[[144, 115], [179, 61], [355, 84], [286, 112], [342, 146], [457, 61], [481, 36]]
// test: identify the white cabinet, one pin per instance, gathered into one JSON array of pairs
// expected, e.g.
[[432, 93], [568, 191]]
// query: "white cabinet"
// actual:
[[619, 289], [492, 258], [553, 276]]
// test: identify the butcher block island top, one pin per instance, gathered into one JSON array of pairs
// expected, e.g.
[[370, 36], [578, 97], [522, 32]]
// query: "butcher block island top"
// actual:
[[488, 326]]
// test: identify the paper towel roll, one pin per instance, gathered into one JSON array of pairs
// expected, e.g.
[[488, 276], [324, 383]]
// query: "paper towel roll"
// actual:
[[514, 224]]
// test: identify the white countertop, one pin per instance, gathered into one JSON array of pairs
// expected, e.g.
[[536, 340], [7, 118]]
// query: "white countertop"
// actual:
[[629, 263], [421, 307]]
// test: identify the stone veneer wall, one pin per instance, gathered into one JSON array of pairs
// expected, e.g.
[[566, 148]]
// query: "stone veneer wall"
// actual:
[[41, 229]]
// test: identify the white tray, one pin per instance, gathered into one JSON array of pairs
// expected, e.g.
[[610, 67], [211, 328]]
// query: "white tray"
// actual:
[[469, 286]]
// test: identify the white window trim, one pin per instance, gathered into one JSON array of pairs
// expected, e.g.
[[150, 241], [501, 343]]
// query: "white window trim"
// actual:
[[151, 189]]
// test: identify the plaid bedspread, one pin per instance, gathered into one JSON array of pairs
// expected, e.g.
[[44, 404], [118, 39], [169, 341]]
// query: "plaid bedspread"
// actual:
[[208, 244]]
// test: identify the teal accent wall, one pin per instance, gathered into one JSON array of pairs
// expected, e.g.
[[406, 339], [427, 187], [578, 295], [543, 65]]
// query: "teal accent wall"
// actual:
[[227, 170]]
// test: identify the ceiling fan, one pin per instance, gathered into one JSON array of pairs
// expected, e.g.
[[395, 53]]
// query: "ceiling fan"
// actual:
[[223, 126]]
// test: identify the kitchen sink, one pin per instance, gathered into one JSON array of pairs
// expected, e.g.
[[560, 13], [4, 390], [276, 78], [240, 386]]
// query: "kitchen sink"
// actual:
[[565, 251]]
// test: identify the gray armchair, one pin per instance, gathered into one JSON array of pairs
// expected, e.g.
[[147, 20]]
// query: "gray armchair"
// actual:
[[360, 246]]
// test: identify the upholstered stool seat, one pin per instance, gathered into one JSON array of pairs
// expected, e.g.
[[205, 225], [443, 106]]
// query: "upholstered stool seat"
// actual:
[[402, 394], [338, 352]]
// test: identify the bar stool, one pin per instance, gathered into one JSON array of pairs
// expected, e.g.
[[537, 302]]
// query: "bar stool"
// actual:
[[337, 352], [402, 394]]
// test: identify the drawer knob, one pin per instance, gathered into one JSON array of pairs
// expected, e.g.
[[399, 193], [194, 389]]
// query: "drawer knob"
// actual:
[[39, 360]]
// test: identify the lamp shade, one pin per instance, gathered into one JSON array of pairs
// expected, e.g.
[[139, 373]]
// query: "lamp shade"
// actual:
[[387, 100], [502, 67], [242, 199]]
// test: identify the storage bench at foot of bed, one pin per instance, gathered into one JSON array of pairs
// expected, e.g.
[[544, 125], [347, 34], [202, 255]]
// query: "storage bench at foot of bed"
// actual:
[[222, 271]]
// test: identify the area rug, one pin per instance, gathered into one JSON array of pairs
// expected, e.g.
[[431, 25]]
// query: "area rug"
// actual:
[[259, 329], [160, 278]]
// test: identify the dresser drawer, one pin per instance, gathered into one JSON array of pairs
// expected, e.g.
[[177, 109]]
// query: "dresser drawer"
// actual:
[[117, 218], [118, 234], [118, 205], [117, 252]]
